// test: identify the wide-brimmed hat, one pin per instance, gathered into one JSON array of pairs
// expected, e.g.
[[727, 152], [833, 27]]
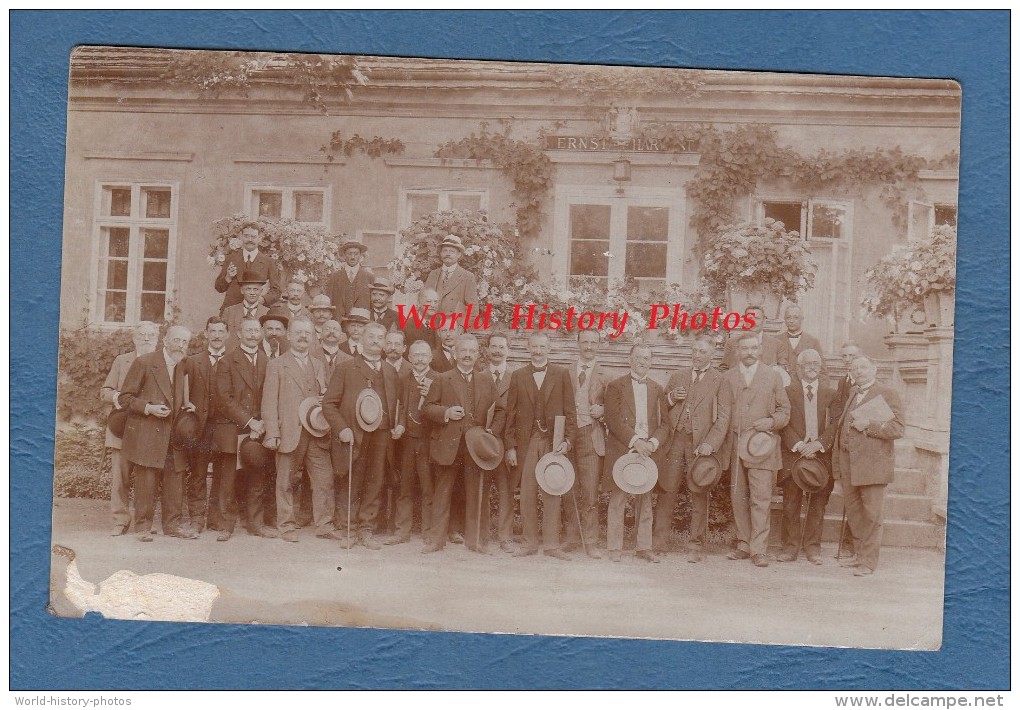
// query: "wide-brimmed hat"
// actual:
[[322, 303], [117, 422], [755, 447], [381, 284], [703, 473], [368, 409], [555, 474], [485, 449], [357, 315], [598, 438], [311, 417], [351, 244], [275, 313], [252, 454], [810, 474], [186, 434], [452, 240], [635, 473]]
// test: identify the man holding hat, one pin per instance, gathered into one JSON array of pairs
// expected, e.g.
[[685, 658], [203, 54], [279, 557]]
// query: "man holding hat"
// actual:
[[637, 415], [353, 324], [759, 408], [539, 392], [348, 287], [249, 307], [380, 293], [698, 419], [458, 403], [250, 264], [455, 285], [291, 379]]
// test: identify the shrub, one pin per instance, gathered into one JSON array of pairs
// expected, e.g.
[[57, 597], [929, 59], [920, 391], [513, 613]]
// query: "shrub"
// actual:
[[81, 463]]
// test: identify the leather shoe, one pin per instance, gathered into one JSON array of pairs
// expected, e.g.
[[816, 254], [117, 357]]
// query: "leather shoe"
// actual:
[[118, 530], [224, 536], [557, 553], [571, 547], [863, 571], [615, 555], [814, 559], [738, 555], [526, 552], [457, 538], [145, 537], [647, 556], [594, 554], [849, 562], [397, 540], [332, 535], [760, 561], [507, 546], [370, 542], [289, 536], [263, 532], [483, 550], [695, 556], [183, 533], [786, 557], [430, 548]]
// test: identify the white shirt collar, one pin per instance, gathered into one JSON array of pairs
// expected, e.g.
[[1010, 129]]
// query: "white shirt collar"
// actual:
[[250, 255]]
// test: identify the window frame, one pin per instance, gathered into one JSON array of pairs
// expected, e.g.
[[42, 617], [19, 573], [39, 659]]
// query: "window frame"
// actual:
[[443, 193], [288, 207]]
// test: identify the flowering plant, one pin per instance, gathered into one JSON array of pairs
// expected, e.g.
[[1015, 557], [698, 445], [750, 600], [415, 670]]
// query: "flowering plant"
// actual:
[[902, 278], [307, 253], [493, 254], [766, 258]]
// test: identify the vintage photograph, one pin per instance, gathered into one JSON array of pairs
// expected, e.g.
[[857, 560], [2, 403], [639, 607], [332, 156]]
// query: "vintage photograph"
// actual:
[[505, 347]]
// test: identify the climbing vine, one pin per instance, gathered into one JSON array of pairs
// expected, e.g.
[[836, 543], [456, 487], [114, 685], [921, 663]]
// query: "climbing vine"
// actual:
[[374, 147]]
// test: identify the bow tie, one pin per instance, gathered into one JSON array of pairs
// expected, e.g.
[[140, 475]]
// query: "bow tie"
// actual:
[[536, 368], [638, 380]]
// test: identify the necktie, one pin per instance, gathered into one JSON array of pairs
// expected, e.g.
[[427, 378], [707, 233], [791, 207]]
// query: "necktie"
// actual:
[[275, 353], [582, 375], [249, 312], [639, 380], [496, 376], [252, 358], [466, 376], [697, 376], [810, 392], [215, 358], [330, 359]]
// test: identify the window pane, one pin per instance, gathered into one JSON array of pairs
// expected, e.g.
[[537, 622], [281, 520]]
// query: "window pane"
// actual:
[[649, 224], [646, 260], [827, 221], [153, 306], [120, 201], [270, 204], [945, 215], [422, 205], [589, 221], [589, 257], [154, 276], [157, 242], [469, 203], [308, 206], [786, 212], [117, 241], [116, 274], [157, 202], [381, 250], [115, 308]]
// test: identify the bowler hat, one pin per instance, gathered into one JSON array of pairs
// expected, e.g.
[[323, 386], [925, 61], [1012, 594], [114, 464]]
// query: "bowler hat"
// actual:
[[311, 417], [186, 432], [357, 315], [117, 421], [555, 474], [756, 447], [351, 244], [277, 314], [810, 474], [252, 454], [452, 240], [485, 449], [368, 409], [635, 473], [322, 303], [703, 473], [381, 284], [248, 276]]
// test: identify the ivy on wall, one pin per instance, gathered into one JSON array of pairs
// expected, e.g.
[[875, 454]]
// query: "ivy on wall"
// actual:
[[374, 147]]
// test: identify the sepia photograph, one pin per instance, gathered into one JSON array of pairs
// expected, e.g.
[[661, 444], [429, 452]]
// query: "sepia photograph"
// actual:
[[505, 347]]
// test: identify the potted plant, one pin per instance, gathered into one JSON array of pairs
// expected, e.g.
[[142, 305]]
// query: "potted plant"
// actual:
[[750, 264]]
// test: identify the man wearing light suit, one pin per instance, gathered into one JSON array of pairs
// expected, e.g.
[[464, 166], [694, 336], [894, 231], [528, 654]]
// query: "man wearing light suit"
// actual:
[[455, 285], [507, 479], [864, 462], [699, 419], [251, 264], [759, 403], [290, 379]]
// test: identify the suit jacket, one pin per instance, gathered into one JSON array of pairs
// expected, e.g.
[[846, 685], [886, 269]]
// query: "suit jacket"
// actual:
[[349, 378], [441, 363], [413, 333], [864, 458], [796, 429], [114, 383], [302, 312], [262, 268], [458, 291], [233, 315], [345, 294], [770, 351], [707, 412], [502, 392], [320, 354], [287, 384], [597, 380], [788, 353], [388, 318], [766, 397], [522, 405], [621, 419], [238, 396], [147, 438], [202, 386], [843, 389], [412, 404], [450, 389]]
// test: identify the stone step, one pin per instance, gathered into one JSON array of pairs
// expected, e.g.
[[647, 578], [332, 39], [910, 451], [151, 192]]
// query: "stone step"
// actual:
[[895, 533], [898, 506], [909, 481]]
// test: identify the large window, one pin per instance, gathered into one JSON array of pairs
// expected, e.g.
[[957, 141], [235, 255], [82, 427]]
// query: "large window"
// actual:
[[309, 204], [417, 202], [382, 247], [136, 229]]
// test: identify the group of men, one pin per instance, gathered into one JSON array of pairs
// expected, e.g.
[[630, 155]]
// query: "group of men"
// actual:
[[328, 416]]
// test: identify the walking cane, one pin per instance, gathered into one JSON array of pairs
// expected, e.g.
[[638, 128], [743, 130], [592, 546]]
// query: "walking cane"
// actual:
[[350, 477], [842, 531], [803, 527], [478, 525], [577, 513]]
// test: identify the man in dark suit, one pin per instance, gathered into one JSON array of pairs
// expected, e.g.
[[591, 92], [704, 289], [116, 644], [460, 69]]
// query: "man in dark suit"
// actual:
[[848, 352], [353, 324], [348, 287], [770, 347], [459, 399], [443, 358], [427, 297], [365, 450], [253, 265], [240, 376], [153, 394], [794, 341], [507, 479], [864, 461], [699, 418], [380, 292], [759, 403], [455, 285], [200, 369], [809, 434], [249, 307], [539, 392], [637, 415]]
